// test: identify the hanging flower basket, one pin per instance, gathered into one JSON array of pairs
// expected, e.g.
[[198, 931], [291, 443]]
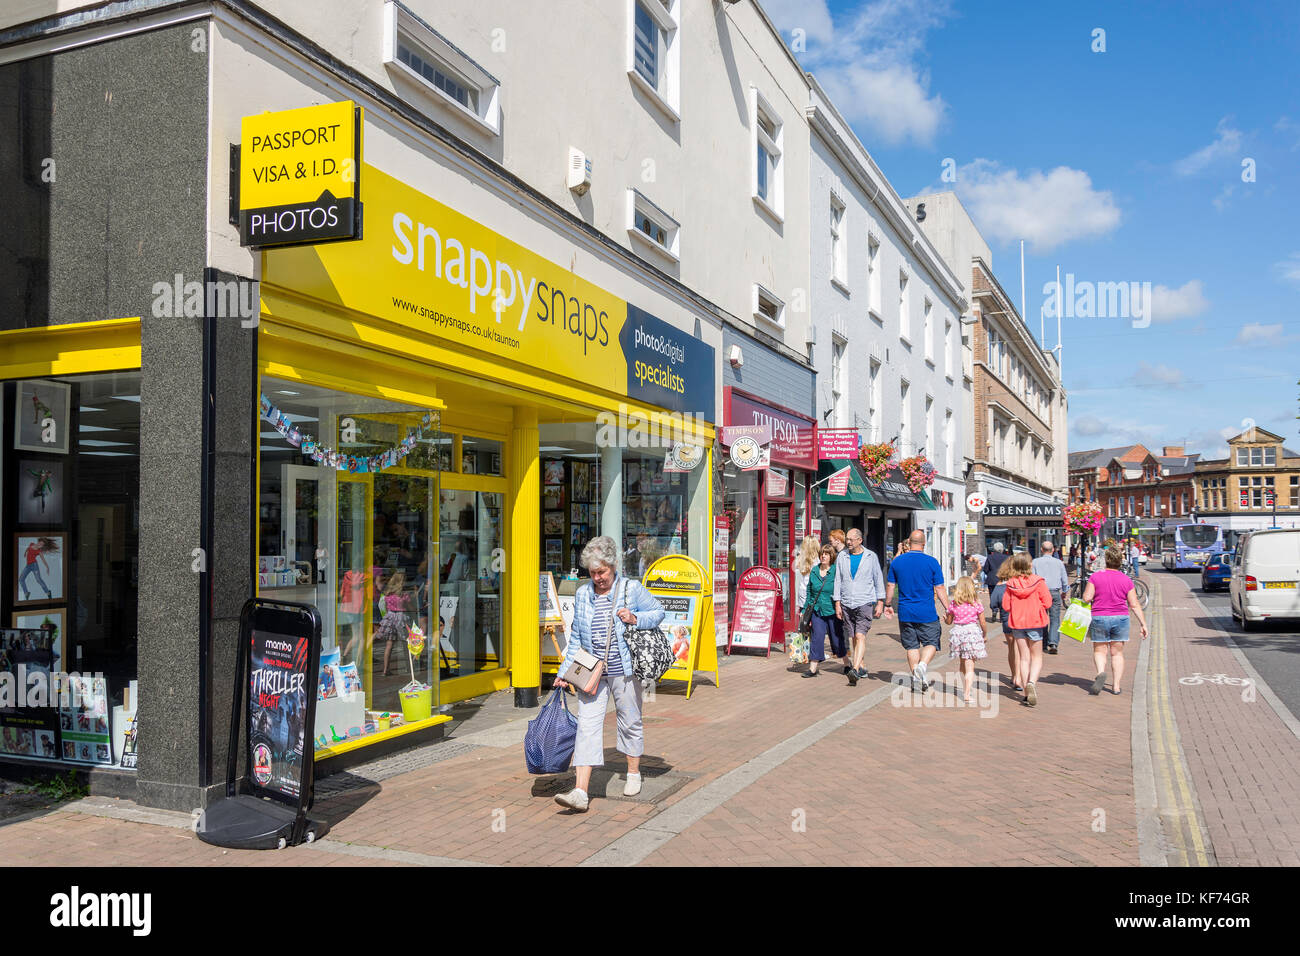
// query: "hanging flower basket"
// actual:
[[876, 460], [918, 471], [1082, 518]]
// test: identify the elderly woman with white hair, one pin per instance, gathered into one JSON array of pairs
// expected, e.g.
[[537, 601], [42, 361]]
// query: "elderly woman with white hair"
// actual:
[[605, 597]]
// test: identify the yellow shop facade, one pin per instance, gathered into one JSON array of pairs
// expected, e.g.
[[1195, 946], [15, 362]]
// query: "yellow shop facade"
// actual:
[[450, 407]]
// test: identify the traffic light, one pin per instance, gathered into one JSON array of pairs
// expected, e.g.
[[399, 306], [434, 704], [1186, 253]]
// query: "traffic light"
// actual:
[[1119, 526], [1245, 499]]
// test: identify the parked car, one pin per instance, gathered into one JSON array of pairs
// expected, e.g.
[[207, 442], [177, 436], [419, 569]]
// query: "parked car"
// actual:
[[1265, 582], [1217, 571]]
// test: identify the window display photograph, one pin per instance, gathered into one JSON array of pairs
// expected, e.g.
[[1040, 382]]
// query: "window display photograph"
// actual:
[[630, 494], [70, 474], [347, 521]]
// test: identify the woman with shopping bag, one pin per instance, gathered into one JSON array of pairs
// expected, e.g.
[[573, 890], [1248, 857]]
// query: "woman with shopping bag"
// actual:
[[598, 663], [1111, 594]]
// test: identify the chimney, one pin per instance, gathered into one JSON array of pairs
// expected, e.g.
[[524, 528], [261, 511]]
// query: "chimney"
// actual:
[[1174, 451]]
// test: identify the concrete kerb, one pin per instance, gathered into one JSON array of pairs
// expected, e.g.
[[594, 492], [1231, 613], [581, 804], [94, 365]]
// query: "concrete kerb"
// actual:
[[1179, 771], [1151, 838]]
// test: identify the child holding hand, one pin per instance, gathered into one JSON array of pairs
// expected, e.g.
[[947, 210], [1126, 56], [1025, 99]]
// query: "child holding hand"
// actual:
[[966, 615]]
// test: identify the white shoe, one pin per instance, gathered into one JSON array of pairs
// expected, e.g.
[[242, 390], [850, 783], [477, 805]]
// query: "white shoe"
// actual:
[[633, 785], [575, 799]]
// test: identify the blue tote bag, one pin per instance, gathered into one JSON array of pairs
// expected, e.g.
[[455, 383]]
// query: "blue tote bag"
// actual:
[[548, 744]]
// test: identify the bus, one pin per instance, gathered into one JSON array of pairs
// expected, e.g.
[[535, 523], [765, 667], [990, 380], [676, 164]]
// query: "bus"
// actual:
[[1188, 546]]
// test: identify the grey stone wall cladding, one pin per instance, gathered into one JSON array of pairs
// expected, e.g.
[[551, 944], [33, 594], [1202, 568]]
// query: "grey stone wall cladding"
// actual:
[[767, 374], [127, 209], [125, 125]]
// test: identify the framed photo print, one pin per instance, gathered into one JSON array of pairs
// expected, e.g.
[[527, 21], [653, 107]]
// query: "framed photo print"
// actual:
[[552, 472], [580, 481], [42, 416], [38, 568], [40, 492], [552, 522], [552, 497], [43, 630], [577, 513], [577, 538]]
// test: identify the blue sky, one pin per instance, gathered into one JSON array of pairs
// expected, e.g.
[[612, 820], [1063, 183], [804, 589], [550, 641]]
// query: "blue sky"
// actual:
[[1122, 165]]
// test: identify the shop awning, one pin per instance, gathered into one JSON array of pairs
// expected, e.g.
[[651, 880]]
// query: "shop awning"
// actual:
[[892, 492]]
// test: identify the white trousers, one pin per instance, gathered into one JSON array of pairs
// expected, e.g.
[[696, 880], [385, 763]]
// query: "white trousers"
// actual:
[[589, 750]]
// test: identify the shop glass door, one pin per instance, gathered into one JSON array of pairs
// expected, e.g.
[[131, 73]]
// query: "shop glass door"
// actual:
[[779, 553], [470, 576]]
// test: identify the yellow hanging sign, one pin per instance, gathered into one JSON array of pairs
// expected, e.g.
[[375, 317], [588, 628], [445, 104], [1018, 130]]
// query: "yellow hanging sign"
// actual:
[[681, 585], [298, 175]]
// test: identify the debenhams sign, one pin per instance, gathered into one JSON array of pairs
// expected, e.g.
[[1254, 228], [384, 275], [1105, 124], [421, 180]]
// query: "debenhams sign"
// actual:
[[298, 175], [1022, 511]]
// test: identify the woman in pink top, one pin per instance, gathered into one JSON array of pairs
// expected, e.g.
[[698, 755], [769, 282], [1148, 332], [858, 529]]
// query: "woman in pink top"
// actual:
[[1111, 594]]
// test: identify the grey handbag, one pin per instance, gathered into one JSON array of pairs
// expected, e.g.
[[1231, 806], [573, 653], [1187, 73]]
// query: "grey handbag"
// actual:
[[586, 669]]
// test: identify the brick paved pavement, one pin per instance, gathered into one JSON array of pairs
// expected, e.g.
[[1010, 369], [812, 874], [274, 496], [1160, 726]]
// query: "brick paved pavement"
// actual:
[[775, 769]]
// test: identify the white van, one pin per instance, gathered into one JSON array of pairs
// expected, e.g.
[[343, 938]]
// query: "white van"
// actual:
[[1265, 582]]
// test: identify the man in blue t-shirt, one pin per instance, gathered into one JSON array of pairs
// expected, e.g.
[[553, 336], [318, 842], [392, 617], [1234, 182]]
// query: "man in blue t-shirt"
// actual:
[[920, 583]]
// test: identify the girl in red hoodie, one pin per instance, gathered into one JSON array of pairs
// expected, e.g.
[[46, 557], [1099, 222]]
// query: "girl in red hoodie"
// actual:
[[1027, 601]]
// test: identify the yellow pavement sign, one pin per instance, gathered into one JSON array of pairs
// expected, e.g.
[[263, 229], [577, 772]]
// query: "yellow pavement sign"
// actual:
[[685, 590]]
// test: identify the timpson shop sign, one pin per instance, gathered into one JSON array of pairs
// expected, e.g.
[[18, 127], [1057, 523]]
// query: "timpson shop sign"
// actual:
[[299, 175]]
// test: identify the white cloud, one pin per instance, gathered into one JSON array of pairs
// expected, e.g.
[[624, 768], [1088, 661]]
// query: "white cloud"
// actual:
[[1110, 432], [1047, 209], [1089, 425], [813, 17], [1256, 333], [1289, 130], [1226, 145], [1169, 304], [1159, 374], [869, 62], [1289, 268]]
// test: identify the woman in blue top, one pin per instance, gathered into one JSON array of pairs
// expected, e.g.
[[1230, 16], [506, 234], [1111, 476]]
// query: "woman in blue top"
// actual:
[[821, 597], [594, 625]]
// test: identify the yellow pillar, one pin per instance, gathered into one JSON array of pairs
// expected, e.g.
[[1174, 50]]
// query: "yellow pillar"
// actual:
[[524, 559]]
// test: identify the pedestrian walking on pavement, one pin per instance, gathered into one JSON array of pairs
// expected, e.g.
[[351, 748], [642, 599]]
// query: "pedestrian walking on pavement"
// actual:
[[594, 626], [838, 541], [995, 600], [1113, 597], [997, 557], [966, 640], [1052, 570], [1135, 560], [820, 597], [1026, 602], [919, 580], [859, 597], [805, 560]]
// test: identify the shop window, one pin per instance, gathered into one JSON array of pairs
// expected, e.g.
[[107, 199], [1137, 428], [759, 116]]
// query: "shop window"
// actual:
[[480, 456], [346, 521], [470, 621], [596, 482], [70, 476]]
